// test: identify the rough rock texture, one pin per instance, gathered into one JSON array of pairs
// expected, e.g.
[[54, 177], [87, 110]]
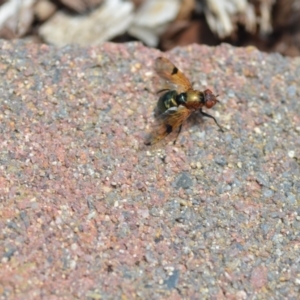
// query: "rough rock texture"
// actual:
[[87, 211]]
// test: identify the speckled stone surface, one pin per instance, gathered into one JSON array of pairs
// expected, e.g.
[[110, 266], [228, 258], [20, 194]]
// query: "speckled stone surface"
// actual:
[[87, 211]]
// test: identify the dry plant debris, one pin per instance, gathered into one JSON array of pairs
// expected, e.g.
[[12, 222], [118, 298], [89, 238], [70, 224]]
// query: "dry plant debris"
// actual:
[[270, 25]]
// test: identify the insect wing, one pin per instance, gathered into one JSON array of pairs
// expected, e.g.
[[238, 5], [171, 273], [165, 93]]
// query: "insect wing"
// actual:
[[174, 77], [167, 123]]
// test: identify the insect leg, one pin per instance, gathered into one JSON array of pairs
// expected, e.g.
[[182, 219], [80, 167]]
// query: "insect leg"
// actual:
[[209, 116], [163, 90], [179, 130]]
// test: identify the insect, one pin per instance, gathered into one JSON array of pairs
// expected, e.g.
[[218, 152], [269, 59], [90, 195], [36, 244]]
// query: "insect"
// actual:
[[178, 101]]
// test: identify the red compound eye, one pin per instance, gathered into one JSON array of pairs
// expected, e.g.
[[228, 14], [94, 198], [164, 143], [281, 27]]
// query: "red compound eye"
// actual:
[[210, 99]]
